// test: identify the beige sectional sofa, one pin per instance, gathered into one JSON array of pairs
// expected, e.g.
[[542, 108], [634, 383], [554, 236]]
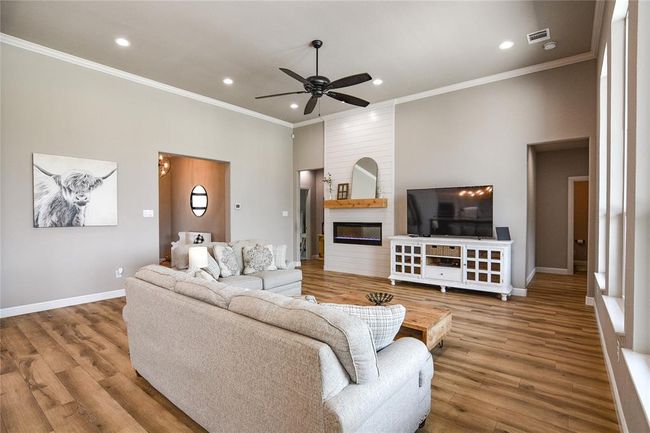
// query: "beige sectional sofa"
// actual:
[[238, 360], [285, 281]]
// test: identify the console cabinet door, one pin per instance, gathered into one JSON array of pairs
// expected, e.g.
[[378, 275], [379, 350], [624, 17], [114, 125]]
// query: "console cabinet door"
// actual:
[[484, 265], [407, 259]]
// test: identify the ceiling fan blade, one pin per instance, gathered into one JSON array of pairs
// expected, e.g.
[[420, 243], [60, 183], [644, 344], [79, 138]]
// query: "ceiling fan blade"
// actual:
[[348, 99], [310, 105], [293, 75], [349, 81], [279, 94]]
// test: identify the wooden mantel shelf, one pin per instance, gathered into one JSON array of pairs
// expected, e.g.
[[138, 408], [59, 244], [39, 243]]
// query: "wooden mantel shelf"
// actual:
[[356, 203]]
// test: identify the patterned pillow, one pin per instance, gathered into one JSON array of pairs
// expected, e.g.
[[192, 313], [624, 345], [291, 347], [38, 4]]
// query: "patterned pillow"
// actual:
[[212, 268], [258, 258], [280, 256], [227, 261], [384, 321]]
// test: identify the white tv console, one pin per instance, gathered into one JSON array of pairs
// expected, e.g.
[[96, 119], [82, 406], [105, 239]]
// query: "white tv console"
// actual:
[[464, 263]]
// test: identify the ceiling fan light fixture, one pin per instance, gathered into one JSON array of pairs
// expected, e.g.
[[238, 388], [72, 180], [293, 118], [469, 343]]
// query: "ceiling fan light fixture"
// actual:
[[318, 85]]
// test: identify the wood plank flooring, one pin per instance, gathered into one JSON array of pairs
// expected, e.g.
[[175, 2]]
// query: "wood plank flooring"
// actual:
[[527, 365]]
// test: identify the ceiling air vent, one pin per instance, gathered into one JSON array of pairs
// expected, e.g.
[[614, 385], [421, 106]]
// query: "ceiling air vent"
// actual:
[[539, 36]]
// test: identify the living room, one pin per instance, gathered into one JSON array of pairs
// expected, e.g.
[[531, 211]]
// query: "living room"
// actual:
[[150, 136]]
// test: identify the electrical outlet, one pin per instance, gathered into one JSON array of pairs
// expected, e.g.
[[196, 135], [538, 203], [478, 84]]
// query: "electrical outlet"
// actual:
[[119, 272]]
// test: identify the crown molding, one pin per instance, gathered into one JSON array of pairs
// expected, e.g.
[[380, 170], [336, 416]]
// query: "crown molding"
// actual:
[[69, 58], [566, 61]]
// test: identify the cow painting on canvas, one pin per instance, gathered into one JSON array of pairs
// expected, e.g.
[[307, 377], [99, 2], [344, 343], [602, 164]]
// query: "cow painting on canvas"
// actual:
[[74, 192]]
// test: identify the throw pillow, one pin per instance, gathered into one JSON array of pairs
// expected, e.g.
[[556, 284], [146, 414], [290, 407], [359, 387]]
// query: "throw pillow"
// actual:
[[258, 258], [384, 321], [213, 267], [204, 275], [227, 261], [280, 256]]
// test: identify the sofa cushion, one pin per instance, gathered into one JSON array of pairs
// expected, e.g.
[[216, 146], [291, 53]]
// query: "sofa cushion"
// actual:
[[238, 246], [244, 281], [281, 277], [161, 276], [181, 253], [212, 292], [348, 336], [384, 321]]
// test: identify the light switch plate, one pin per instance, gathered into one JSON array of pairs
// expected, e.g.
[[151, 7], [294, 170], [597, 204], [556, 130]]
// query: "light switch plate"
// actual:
[[285, 213], [147, 213]]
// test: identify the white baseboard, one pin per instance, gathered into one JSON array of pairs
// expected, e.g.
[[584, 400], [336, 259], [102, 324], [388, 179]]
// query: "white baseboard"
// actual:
[[558, 271], [589, 300], [519, 292], [59, 303], [612, 379], [530, 276]]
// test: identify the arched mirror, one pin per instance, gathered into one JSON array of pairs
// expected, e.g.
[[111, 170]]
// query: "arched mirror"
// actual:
[[199, 200], [364, 178]]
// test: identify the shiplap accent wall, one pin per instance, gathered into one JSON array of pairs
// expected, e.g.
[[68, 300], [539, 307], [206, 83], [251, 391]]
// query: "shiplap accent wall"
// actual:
[[348, 138]]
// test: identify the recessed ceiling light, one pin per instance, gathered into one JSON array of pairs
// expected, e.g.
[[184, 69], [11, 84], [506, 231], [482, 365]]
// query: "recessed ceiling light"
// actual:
[[506, 45], [228, 81], [378, 82], [293, 106], [122, 42]]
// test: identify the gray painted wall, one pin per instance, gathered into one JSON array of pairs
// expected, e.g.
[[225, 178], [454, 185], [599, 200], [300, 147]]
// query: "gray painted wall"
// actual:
[[480, 135], [552, 172], [55, 107], [308, 147]]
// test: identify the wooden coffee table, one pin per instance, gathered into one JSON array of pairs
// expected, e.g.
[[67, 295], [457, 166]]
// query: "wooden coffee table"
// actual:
[[428, 326]]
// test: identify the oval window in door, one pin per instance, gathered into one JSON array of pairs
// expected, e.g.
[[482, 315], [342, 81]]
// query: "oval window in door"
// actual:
[[199, 200]]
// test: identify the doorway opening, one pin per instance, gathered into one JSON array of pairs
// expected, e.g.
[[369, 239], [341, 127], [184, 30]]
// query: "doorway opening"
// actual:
[[311, 215], [193, 202], [558, 208]]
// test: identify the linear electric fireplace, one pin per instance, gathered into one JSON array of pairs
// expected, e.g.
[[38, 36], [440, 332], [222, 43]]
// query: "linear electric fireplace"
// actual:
[[357, 233]]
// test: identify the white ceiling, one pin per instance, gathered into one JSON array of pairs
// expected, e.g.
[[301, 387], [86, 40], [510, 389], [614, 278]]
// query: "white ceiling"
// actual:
[[412, 46]]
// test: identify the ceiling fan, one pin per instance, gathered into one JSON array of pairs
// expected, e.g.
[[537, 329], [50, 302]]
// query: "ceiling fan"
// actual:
[[319, 85]]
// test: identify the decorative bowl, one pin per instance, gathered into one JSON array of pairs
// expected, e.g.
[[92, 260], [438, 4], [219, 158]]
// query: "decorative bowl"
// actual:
[[379, 298]]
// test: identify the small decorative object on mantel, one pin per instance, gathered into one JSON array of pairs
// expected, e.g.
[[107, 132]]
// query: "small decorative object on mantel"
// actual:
[[328, 181], [342, 191], [379, 298]]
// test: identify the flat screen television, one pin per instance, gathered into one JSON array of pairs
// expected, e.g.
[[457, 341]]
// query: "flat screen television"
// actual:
[[460, 211]]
